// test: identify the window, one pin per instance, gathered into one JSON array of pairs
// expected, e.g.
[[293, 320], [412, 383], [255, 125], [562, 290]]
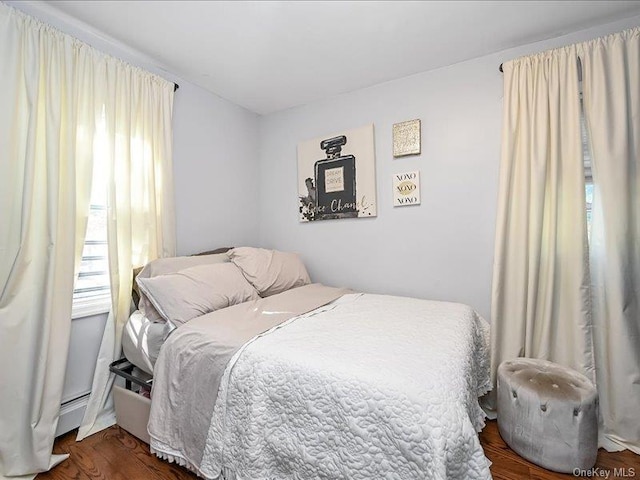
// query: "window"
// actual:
[[588, 190], [92, 294], [586, 158], [588, 176]]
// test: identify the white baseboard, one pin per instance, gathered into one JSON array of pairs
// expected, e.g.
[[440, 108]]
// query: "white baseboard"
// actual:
[[71, 414]]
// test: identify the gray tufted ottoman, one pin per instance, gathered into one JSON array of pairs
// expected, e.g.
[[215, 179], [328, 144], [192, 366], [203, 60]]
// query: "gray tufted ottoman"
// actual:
[[548, 414]]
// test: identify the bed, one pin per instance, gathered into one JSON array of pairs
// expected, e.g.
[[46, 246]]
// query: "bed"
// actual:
[[305, 381]]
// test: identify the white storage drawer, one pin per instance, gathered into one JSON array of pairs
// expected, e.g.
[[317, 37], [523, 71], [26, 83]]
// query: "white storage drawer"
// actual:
[[132, 408], [132, 412]]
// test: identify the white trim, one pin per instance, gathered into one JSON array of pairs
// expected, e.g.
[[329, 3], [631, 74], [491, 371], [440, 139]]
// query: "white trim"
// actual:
[[95, 305]]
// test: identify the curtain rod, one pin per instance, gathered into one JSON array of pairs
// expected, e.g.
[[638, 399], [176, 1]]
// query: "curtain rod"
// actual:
[[579, 69], [176, 86]]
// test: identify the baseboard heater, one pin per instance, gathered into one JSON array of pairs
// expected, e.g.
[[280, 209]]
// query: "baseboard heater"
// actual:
[[71, 413]]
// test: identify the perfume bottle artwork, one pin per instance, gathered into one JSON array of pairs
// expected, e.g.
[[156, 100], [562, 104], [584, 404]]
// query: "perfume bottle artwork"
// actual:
[[334, 186], [335, 189]]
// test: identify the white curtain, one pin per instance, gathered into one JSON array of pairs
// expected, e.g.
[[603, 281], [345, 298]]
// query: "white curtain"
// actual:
[[64, 105], [554, 295], [136, 131], [47, 111], [541, 305], [611, 77]]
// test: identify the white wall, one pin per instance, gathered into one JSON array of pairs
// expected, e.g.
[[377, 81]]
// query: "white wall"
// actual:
[[215, 171], [442, 249]]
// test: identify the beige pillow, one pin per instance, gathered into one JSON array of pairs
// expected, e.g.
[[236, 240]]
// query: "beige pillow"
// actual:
[[163, 266], [270, 271], [178, 297]]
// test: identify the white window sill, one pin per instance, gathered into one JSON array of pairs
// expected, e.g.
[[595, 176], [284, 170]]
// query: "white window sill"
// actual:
[[86, 307]]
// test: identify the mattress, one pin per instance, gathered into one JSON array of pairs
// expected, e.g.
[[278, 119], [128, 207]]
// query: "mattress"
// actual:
[[368, 386], [142, 339]]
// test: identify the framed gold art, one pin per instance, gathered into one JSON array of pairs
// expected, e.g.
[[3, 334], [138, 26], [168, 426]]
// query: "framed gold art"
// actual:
[[406, 138]]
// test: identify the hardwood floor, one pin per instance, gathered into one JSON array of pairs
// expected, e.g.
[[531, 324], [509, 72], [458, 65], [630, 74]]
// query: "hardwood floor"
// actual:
[[113, 454], [507, 465]]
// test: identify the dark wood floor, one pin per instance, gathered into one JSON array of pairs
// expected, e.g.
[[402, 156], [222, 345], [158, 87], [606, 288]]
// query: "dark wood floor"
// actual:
[[507, 465], [113, 454]]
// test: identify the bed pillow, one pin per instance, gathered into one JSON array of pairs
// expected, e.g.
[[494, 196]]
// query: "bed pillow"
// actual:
[[270, 271], [164, 266], [178, 297]]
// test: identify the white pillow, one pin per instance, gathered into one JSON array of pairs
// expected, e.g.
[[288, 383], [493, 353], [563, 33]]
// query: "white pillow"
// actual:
[[178, 297], [270, 271], [163, 266]]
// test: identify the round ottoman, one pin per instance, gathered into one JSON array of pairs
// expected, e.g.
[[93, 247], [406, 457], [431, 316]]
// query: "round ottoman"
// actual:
[[548, 414]]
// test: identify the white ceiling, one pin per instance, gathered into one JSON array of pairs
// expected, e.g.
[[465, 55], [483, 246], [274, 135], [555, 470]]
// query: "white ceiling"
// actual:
[[269, 56]]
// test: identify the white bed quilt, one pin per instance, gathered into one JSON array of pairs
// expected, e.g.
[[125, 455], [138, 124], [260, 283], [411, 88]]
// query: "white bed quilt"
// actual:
[[370, 387]]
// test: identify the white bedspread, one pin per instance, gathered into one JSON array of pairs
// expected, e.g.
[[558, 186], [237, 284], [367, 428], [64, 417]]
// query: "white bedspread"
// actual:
[[369, 387]]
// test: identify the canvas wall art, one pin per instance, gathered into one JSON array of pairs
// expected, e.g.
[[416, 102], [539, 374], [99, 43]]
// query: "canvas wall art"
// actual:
[[406, 189], [337, 176], [406, 138]]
